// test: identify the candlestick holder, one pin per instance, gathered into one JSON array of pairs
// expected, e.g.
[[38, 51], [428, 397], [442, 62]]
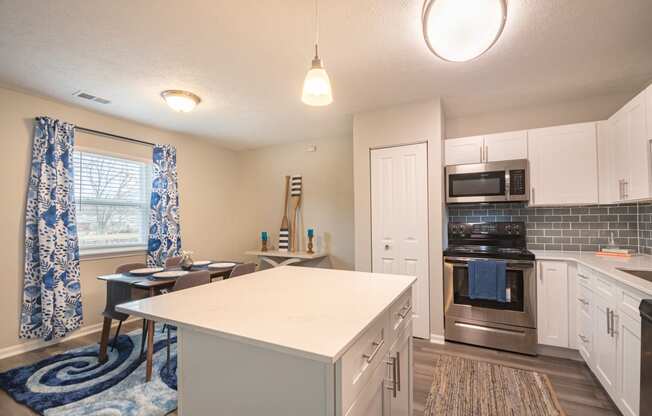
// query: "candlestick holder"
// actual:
[[310, 237]]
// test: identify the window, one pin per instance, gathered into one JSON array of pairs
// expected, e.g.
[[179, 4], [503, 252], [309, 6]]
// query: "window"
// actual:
[[112, 198]]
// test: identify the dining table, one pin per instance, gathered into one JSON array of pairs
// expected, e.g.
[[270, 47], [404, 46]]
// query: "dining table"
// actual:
[[152, 286]]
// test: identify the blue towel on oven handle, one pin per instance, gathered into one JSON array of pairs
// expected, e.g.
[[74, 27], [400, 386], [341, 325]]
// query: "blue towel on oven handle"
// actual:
[[488, 280]]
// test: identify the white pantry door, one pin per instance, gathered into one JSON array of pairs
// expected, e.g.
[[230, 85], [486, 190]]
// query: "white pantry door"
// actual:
[[399, 216]]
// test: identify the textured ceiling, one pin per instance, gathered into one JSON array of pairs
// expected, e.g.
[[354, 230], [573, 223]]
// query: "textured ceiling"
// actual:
[[247, 59]]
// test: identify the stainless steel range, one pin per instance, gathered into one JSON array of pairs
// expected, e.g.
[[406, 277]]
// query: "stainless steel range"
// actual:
[[508, 325]]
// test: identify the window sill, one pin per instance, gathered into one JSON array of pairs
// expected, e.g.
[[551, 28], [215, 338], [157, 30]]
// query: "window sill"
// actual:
[[110, 253]]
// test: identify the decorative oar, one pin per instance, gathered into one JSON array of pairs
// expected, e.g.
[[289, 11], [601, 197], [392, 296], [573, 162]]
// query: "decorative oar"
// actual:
[[283, 234], [295, 199]]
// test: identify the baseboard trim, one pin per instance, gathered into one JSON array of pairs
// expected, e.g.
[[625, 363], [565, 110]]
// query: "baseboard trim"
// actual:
[[559, 352], [437, 339], [36, 344]]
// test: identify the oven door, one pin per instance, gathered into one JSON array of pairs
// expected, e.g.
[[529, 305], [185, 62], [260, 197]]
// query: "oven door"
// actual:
[[520, 308]]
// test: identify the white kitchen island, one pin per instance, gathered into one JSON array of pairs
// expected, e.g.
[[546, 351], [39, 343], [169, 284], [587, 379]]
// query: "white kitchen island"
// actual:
[[291, 341]]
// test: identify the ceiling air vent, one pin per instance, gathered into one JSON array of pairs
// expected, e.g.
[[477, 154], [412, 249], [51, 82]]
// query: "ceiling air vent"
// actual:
[[91, 97]]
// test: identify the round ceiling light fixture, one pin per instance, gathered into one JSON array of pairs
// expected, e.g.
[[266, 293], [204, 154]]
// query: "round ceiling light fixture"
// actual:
[[179, 100], [462, 30]]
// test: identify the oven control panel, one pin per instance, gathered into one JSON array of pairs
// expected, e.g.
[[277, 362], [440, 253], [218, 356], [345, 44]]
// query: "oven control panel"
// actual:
[[465, 230]]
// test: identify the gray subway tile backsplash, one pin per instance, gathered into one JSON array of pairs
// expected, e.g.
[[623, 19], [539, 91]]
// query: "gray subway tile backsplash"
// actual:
[[582, 228]]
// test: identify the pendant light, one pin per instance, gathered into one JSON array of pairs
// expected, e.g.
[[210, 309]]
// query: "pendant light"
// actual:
[[317, 86], [462, 30]]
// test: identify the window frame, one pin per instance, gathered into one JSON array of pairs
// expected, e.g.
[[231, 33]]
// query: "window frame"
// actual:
[[124, 250]]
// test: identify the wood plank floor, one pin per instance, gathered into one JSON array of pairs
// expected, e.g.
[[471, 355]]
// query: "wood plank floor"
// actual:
[[578, 391]]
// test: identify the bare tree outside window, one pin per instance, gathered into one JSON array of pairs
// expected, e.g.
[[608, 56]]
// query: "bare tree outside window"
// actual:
[[112, 197]]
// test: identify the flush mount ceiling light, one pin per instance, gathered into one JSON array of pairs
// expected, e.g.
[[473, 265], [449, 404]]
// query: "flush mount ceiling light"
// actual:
[[317, 86], [179, 100], [461, 30]]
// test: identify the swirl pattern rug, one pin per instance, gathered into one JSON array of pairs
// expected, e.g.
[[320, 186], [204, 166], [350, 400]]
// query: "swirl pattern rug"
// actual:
[[463, 387], [75, 384]]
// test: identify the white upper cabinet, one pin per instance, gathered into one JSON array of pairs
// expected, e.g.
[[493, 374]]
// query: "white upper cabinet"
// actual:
[[648, 93], [607, 191], [630, 135], [489, 148], [464, 151], [563, 165], [505, 146]]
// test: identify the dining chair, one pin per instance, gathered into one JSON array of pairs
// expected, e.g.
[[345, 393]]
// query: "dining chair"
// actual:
[[117, 293], [172, 261], [190, 280], [242, 269]]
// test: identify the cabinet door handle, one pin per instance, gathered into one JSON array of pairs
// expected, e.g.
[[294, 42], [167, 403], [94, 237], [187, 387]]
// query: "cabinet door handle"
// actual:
[[608, 322], [486, 153], [393, 387], [584, 339], [378, 345], [532, 194], [625, 189], [613, 321], [481, 154], [404, 311], [583, 301], [398, 371]]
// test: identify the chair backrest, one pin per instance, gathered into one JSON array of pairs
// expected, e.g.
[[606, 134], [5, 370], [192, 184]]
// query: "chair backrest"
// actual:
[[125, 268], [172, 261], [192, 279], [241, 269]]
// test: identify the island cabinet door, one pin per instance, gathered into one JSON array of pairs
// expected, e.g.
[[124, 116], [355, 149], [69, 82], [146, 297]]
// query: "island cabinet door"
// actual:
[[400, 379], [373, 400]]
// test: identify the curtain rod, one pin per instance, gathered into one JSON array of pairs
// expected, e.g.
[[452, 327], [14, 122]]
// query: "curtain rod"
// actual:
[[114, 136]]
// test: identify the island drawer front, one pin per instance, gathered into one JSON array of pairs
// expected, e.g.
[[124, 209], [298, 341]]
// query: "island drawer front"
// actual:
[[400, 313], [362, 358]]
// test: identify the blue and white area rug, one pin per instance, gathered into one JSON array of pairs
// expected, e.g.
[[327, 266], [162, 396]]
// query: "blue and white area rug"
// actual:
[[75, 384]]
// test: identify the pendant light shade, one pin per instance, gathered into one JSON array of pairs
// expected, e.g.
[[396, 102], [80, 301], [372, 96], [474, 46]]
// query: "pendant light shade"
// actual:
[[317, 85], [461, 30]]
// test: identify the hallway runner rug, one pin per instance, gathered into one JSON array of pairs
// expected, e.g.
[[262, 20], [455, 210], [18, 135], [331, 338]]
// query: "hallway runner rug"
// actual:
[[74, 383], [463, 387]]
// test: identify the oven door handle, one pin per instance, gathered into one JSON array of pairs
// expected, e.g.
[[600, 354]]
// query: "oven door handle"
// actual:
[[514, 265]]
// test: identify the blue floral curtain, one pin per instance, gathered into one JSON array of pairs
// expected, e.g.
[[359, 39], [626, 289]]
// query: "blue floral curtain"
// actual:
[[164, 230], [52, 304]]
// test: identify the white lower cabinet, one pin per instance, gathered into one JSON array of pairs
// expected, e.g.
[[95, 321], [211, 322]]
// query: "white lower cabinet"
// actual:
[[604, 363], [629, 363], [376, 372], [607, 330], [552, 303], [400, 382], [584, 321], [372, 400]]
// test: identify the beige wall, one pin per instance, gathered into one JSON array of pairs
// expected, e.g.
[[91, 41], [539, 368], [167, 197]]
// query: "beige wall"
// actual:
[[591, 109], [405, 124], [327, 194], [207, 179]]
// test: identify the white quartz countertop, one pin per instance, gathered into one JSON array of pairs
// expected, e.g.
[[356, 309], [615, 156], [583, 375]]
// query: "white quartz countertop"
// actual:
[[607, 265], [310, 312]]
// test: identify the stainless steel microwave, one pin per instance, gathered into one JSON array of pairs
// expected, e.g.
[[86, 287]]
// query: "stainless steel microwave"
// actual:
[[488, 182]]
